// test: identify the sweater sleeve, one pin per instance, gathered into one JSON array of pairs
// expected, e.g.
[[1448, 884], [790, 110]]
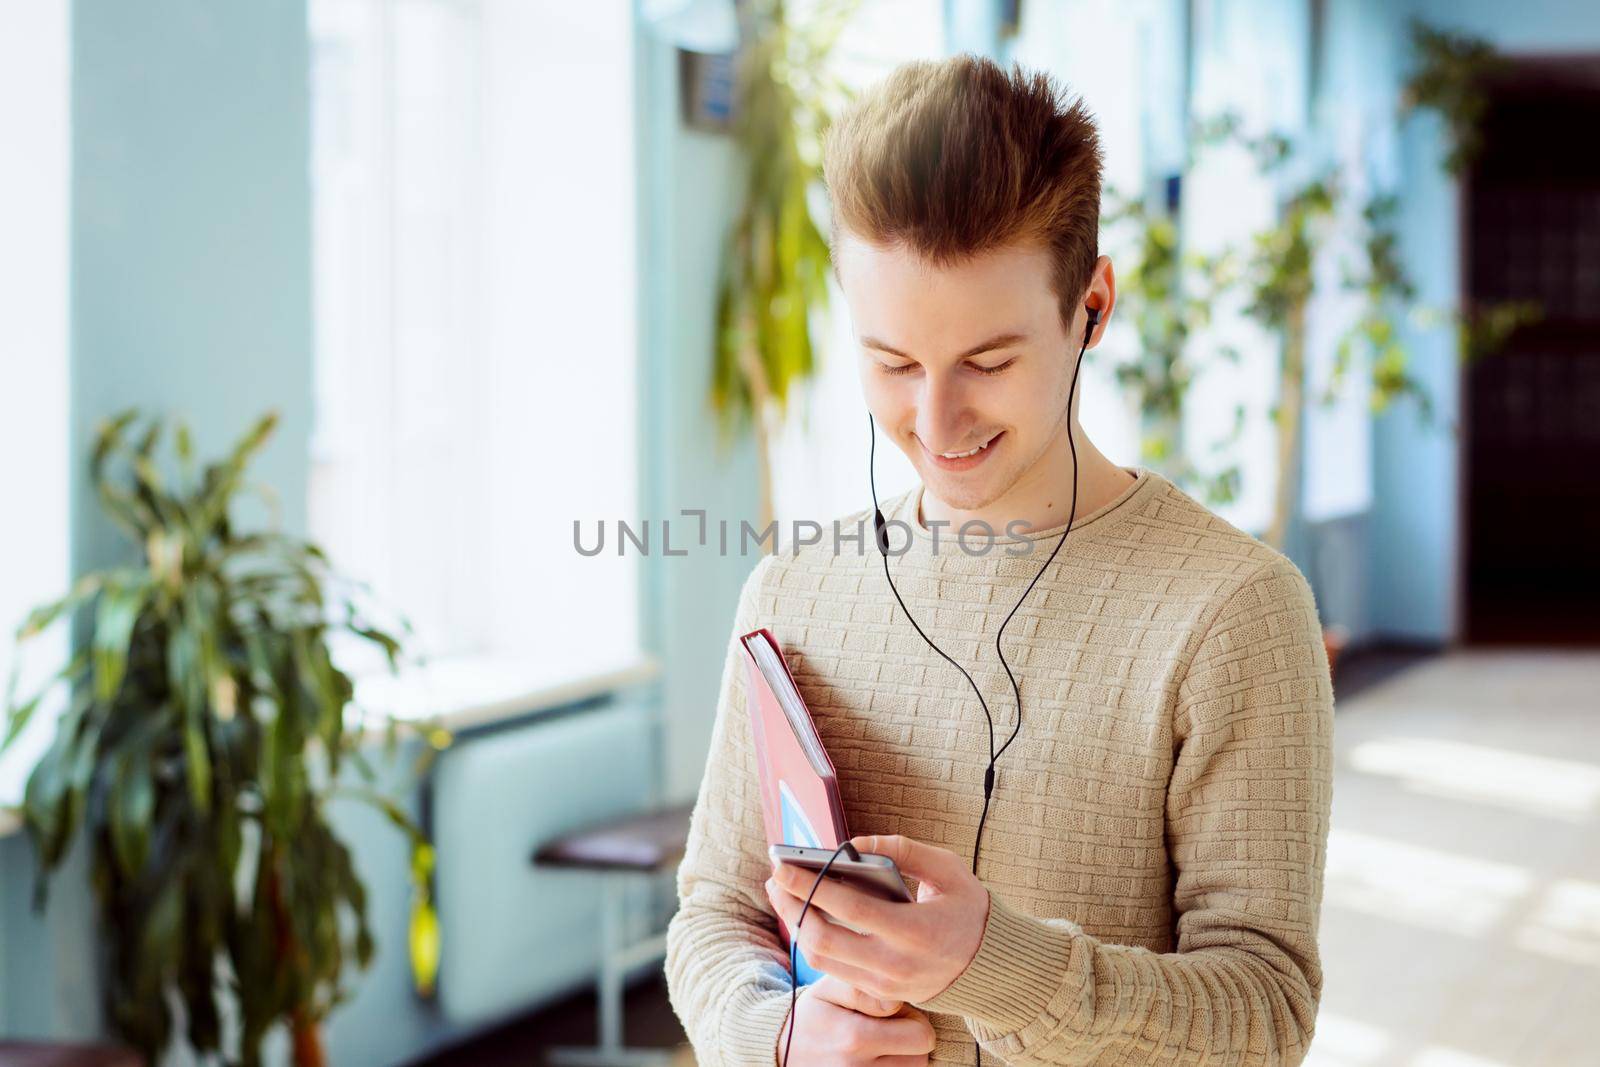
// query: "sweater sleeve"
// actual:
[[1247, 825], [727, 969]]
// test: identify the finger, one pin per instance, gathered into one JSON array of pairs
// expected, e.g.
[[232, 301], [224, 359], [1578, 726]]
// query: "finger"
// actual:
[[926, 863], [818, 934], [822, 939], [869, 982], [902, 1035], [841, 901], [835, 990]]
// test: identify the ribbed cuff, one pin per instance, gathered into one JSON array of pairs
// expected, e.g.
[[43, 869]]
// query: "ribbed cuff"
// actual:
[[751, 1039], [1020, 964]]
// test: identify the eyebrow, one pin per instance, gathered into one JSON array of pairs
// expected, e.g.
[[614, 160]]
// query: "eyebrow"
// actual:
[[997, 341]]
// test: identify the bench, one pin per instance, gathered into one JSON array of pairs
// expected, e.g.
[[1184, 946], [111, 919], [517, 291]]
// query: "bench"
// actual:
[[619, 852]]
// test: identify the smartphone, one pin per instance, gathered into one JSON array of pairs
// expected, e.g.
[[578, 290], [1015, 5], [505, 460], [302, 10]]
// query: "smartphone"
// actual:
[[872, 874]]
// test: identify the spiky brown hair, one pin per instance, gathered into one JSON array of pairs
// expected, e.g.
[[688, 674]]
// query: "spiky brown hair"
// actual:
[[956, 157]]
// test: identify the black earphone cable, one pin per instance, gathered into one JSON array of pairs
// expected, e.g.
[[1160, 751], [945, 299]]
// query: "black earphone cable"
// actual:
[[794, 941], [880, 528], [881, 535]]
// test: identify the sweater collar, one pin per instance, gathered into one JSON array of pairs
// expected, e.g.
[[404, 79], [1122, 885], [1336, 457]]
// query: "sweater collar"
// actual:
[[905, 509]]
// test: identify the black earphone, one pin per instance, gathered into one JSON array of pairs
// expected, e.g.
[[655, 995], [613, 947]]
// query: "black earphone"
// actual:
[[880, 530]]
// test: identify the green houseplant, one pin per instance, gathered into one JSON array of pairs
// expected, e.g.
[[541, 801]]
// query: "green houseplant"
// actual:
[[201, 740], [1451, 76], [1168, 297], [774, 270], [1280, 285], [1280, 282]]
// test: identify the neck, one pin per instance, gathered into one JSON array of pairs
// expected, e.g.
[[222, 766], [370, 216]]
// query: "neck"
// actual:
[[1042, 497]]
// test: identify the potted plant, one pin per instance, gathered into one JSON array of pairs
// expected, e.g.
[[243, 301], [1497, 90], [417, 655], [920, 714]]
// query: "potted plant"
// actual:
[[774, 271], [204, 733]]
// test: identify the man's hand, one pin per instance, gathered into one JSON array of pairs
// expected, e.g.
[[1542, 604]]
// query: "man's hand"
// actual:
[[839, 1026], [904, 952]]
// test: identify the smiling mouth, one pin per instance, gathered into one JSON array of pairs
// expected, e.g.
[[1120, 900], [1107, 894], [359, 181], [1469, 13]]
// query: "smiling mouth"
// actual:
[[964, 459], [968, 452]]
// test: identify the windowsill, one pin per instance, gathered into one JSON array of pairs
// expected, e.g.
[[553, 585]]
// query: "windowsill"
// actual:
[[469, 691], [466, 692]]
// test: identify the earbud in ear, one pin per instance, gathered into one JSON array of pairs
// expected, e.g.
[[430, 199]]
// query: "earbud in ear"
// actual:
[[1093, 315]]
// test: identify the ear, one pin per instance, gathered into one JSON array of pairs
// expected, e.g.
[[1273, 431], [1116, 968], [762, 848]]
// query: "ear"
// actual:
[[1102, 296]]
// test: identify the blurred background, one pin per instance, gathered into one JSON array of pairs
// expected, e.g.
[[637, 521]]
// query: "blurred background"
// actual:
[[524, 279]]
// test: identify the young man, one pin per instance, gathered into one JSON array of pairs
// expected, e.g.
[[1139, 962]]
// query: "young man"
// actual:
[[1150, 873]]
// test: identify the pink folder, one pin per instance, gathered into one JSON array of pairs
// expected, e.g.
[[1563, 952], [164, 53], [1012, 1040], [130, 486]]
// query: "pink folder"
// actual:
[[799, 791]]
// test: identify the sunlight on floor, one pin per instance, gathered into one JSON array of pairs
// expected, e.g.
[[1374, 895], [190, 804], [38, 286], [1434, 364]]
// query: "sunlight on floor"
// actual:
[[1564, 789], [1461, 918], [1566, 924], [1422, 886], [1435, 1056], [1346, 1042]]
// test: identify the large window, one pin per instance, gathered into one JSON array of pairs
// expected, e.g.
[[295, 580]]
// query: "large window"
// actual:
[[34, 568], [475, 291]]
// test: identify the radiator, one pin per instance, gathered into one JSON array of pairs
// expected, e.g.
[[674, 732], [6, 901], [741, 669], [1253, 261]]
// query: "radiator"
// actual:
[[514, 937]]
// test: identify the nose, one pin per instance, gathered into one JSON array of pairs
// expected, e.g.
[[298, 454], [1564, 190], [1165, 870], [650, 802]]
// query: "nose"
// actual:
[[943, 423]]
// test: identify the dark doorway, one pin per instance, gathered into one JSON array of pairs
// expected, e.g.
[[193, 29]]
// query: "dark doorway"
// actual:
[[1531, 453]]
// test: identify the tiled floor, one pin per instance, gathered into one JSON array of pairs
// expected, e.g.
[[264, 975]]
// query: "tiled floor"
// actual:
[[1461, 921], [1461, 918]]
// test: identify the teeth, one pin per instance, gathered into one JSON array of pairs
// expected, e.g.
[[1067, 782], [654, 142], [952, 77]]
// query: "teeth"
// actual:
[[964, 455]]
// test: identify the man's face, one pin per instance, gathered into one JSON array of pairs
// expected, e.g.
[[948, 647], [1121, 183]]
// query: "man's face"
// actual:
[[954, 359]]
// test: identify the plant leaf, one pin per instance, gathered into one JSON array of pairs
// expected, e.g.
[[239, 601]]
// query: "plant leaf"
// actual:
[[132, 804], [115, 617]]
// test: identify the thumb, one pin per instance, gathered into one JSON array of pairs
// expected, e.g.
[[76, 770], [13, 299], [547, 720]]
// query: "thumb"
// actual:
[[926, 863], [837, 991]]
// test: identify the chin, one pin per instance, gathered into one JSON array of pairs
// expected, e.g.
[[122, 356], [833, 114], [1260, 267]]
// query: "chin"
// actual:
[[962, 490], [963, 494]]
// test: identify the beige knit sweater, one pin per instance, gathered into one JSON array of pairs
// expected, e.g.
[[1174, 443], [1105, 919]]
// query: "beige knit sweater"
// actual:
[[1155, 847]]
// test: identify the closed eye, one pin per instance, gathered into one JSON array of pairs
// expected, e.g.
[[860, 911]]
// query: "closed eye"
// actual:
[[997, 368], [906, 368]]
